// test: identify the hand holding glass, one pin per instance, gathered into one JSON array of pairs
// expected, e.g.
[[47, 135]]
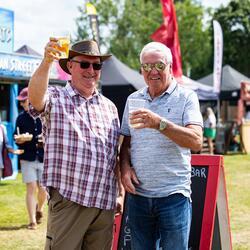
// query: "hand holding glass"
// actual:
[[63, 42], [133, 105]]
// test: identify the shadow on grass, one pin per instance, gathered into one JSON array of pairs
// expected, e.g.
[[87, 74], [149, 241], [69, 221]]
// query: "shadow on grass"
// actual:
[[13, 228], [4, 184]]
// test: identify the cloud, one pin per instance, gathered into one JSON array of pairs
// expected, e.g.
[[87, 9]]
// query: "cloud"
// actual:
[[36, 21]]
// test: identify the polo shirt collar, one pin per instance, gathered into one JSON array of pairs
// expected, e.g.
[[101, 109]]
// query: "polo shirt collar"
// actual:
[[144, 91]]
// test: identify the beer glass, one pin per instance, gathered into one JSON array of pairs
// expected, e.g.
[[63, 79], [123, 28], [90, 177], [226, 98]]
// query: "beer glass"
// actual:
[[133, 105], [63, 41]]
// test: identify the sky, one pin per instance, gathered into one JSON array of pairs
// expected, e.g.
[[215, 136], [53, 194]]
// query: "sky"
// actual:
[[36, 20]]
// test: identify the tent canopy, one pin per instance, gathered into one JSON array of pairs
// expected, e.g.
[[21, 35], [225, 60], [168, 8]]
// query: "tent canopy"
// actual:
[[203, 91], [114, 72], [230, 84], [25, 49]]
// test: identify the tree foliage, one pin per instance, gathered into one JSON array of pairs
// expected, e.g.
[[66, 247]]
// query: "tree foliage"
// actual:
[[138, 21], [195, 39], [235, 22], [125, 26], [107, 16]]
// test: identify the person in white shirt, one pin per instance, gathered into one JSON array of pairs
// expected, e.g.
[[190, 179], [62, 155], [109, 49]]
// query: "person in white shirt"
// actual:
[[210, 128]]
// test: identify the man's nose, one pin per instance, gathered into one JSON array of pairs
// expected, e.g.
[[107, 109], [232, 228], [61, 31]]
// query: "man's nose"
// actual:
[[154, 70], [90, 68]]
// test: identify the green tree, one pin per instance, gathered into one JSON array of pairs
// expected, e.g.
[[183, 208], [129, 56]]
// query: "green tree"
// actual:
[[235, 22], [125, 26], [138, 21], [194, 37], [107, 15]]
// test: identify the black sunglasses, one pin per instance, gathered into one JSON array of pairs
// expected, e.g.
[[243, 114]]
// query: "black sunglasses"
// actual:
[[86, 65]]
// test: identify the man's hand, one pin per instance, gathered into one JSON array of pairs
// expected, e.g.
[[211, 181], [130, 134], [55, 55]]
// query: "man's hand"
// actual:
[[22, 138], [51, 51], [16, 151], [144, 118], [119, 204], [129, 178]]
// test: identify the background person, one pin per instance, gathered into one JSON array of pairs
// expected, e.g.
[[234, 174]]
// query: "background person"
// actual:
[[81, 129], [155, 156], [210, 129], [31, 160], [4, 139]]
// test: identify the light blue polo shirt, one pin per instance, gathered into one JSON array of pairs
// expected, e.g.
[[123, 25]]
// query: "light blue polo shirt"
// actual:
[[162, 167]]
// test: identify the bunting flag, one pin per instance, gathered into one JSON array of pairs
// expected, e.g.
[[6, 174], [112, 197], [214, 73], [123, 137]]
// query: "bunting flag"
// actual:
[[168, 35], [218, 54]]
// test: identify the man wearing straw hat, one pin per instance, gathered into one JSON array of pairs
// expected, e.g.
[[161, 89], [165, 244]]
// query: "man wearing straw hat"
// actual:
[[81, 129]]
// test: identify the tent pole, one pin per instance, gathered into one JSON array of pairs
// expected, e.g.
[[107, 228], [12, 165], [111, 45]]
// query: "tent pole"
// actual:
[[218, 111]]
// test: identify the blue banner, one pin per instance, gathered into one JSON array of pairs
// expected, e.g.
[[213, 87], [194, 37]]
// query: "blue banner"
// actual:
[[19, 65], [6, 30], [13, 116]]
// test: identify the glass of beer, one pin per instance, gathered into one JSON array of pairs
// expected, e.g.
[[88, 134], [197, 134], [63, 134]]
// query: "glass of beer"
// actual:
[[63, 42], [133, 105]]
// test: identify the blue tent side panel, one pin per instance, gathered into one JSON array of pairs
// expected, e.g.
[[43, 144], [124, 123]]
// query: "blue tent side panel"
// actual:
[[10, 127]]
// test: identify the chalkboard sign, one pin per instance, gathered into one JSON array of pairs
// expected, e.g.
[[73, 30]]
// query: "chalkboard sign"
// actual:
[[199, 177], [210, 221]]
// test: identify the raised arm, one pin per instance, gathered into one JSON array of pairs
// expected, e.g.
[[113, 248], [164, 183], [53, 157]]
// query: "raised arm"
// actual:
[[39, 81]]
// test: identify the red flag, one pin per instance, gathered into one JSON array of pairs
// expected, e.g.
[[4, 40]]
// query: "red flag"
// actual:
[[168, 35]]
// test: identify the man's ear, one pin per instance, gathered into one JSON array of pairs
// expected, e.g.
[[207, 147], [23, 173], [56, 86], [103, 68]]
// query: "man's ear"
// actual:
[[69, 66], [170, 68]]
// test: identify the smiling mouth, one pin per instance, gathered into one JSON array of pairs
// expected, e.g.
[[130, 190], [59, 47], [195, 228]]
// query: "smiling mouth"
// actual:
[[154, 78], [89, 77]]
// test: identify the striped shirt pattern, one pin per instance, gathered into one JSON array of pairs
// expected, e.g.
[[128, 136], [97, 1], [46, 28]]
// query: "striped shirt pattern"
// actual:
[[81, 141]]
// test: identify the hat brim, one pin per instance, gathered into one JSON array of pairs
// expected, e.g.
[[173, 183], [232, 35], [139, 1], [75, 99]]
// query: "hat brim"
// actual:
[[72, 53]]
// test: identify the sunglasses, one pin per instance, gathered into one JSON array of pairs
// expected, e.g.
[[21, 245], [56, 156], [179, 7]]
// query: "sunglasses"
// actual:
[[86, 65], [160, 66]]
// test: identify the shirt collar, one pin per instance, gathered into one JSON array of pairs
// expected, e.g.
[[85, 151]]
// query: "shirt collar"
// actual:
[[169, 90], [171, 87], [74, 92]]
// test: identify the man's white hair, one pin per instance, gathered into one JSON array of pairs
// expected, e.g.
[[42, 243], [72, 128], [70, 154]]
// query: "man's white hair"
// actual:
[[157, 47]]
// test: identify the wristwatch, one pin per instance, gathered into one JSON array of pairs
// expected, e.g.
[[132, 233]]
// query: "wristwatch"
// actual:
[[163, 124]]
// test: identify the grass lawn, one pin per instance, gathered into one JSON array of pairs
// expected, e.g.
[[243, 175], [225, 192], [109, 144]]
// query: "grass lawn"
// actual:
[[14, 218], [237, 168], [13, 215]]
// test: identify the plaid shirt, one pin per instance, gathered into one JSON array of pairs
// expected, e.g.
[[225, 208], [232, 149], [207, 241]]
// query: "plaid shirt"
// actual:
[[81, 141]]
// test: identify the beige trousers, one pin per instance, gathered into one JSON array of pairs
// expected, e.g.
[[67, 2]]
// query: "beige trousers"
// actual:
[[74, 227]]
